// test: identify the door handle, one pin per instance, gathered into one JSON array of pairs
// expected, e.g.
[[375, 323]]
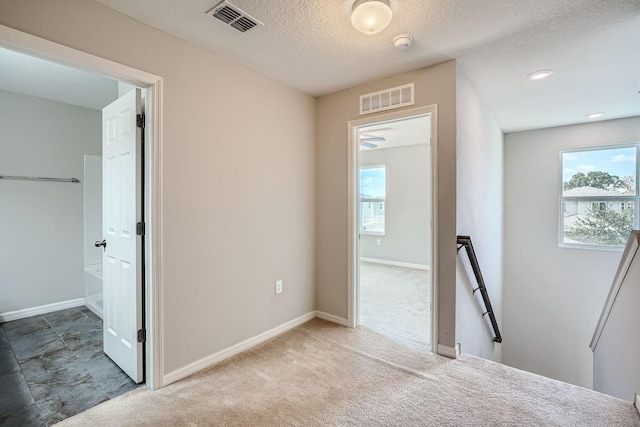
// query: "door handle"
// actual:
[[98, 243]]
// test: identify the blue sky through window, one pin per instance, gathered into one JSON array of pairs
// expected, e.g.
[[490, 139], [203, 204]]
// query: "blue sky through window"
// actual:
[[615, 161], [372, 183]]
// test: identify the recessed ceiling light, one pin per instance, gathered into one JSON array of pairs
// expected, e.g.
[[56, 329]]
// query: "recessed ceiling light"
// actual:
[[540, 74], [594, 115]]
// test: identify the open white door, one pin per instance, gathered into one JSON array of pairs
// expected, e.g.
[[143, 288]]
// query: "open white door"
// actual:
[[122, 286]]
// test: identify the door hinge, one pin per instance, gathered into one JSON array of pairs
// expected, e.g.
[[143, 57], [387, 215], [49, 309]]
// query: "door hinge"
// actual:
[[140, 228], [142, 335], [140, 120]]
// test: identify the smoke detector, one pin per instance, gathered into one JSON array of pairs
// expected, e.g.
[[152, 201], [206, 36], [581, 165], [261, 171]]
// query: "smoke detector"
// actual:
[[402, 41], [234, 16]]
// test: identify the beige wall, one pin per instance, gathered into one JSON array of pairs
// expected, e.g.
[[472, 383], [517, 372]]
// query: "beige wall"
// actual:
[[479, 215], [433, 85], [238, 178], [41, 223], [553, 296]]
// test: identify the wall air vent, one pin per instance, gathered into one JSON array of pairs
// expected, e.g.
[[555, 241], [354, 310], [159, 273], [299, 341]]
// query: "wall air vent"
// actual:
[[387, 99], [234, 17]]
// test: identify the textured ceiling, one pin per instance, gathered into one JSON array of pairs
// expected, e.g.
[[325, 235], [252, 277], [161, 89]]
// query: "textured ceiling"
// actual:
[[592, 45], [36, 77]]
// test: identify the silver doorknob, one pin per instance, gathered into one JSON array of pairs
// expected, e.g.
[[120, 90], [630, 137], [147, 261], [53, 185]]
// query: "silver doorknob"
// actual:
[[99, 243]]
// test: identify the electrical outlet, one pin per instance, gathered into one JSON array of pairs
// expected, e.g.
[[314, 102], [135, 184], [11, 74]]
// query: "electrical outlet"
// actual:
[[278, 286], [378, 242]]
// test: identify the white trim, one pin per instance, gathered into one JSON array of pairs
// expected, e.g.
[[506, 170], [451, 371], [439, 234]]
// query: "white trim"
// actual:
[[435, 279], [154, 289], [245, 345], [331, 318], [636, 402], [54, 52], [450, 352], [353, 211], [44, 49], [41, 309], [353, 224], [396, 263], [630, 251]]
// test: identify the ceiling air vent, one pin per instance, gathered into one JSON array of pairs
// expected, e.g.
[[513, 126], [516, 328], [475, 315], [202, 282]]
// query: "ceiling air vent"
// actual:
[[233, 16], [387, 99]]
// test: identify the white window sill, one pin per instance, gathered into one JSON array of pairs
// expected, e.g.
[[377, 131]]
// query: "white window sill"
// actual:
[[373, 233], [592, 247]]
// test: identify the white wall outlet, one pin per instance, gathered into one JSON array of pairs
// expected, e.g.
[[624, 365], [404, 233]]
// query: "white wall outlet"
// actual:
[[278, 286], [378, 242]]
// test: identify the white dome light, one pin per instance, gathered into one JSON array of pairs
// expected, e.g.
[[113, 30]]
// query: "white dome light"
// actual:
[[539, 75], [371, 16]]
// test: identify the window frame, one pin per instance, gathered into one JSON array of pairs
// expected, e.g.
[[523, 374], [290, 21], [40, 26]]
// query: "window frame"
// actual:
[[372, 200], [635, 199]]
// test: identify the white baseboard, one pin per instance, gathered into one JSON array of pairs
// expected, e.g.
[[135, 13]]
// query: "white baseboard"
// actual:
[[396, 263], [331, 318], [450, 352], [636, 402], [218, 357], [42, 309]]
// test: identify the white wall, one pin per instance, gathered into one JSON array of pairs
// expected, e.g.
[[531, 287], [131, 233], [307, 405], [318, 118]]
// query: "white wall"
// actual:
[[617, 353], [92, 189], [238, 187], [407, 206], [552, 296], [479, 215], [41, 223]]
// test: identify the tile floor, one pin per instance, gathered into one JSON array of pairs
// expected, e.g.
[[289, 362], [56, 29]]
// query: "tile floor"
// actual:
[[52, 367]]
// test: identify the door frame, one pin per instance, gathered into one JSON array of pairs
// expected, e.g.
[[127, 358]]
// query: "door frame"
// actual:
[[44, 49], [353, 210]]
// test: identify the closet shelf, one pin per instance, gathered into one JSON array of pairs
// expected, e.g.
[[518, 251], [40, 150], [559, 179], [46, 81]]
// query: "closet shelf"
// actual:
[[39, 178]]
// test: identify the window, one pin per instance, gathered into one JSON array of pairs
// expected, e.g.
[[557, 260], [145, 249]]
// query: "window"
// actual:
[[372, 199], [599, 196]]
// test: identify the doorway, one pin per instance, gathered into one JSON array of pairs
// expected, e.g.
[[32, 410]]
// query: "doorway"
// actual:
[[75, 320], [392, 171]]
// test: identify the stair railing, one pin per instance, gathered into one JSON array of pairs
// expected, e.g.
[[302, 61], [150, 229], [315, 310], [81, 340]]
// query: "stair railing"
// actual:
[[465, 241]]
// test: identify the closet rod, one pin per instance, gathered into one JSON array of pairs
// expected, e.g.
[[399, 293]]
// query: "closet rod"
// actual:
[[39, 178]]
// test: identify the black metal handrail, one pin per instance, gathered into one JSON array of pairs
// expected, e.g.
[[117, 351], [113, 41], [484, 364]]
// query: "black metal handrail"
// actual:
[[465, 241]]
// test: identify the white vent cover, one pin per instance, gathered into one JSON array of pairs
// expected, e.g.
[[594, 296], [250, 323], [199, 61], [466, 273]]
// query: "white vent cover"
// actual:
[[233, 16], [396, 97]]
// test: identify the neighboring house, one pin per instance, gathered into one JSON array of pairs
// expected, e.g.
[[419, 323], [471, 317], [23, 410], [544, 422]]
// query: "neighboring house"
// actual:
[[578, 203], [590, 199]]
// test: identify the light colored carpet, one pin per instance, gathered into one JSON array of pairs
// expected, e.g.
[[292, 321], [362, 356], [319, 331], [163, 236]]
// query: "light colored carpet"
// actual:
[[321, 374], [395, 301]]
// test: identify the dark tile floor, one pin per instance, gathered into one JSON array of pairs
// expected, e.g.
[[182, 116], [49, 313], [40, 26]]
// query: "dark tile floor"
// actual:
[[52, 367]]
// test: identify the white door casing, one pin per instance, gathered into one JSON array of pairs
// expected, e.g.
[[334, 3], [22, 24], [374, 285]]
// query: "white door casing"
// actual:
[[353, 226], [122, 286]]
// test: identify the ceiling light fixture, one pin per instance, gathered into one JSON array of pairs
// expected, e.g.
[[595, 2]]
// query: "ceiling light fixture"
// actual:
[[371, 16], [540, 74], [594, 115]]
